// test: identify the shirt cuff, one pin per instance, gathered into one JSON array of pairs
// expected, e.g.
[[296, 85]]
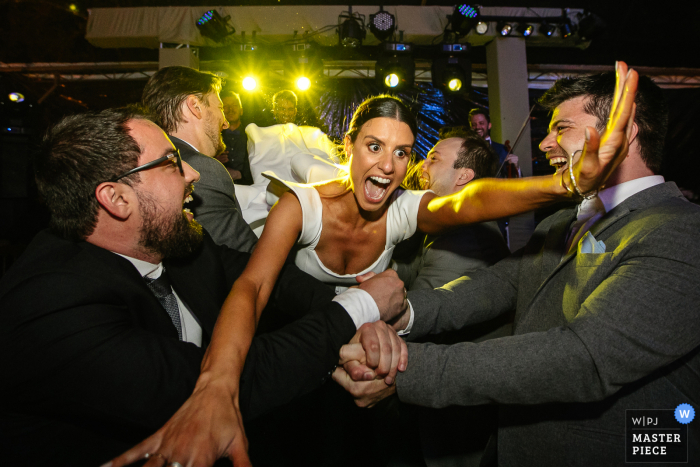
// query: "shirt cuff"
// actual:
[[360, 306], [407, 330]]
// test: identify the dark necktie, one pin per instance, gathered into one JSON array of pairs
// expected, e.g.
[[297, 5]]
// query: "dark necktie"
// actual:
[[164, 293]]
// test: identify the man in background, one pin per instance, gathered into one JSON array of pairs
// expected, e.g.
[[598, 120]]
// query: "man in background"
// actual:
[[235, 158], [284, 106], [187, 106]]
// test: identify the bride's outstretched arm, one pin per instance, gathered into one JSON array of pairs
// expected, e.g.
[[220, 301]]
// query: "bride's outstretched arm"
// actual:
[[489, 199]]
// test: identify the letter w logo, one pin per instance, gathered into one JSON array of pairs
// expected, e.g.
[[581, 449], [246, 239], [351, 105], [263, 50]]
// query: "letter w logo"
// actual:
[[684, 413]]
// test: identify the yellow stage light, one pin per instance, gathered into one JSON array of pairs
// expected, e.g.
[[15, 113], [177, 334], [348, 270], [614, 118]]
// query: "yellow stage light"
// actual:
[[303, 83], [16, 97], [391, 80], [249, 83], [455, 84]]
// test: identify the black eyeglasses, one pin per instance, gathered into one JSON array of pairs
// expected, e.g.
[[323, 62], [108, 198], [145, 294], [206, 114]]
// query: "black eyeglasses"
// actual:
[[173, 155]]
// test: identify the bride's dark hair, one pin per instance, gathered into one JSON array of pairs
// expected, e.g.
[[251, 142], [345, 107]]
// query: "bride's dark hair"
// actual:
[[381, 106]]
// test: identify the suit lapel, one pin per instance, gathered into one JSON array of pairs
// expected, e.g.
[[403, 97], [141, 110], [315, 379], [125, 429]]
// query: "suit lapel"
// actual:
[[640, 200]]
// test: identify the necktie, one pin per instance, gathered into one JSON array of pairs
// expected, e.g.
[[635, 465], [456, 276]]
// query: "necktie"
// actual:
[[589, 212], [163, 291]]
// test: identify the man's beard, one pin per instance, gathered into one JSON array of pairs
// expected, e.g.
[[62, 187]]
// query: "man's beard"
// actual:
[[217, 141], [167, 237]]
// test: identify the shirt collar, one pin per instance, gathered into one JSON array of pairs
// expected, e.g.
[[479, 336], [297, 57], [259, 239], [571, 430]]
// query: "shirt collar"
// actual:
[[189, 144], [146, 269], [613, 196]]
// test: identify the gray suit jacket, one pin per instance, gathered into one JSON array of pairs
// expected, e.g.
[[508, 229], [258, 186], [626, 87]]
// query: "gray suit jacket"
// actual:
[[215, 205], [594, 334], [444, 258]]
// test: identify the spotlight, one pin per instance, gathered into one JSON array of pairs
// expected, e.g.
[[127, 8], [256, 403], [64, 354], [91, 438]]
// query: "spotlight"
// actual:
[[16, 97], [213, 26], [525, 29], [464, 18], [395, 68], [391, 80], [452, 70], [566, 29], [249, 83], [504, 29], [382, 24], [303, 83], [547, 29], [351, 32], [302, 66], [481, 27]]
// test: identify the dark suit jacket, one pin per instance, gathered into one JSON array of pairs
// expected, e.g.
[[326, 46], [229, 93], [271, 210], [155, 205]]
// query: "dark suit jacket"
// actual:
[[215, 205], [595, 334], [237, 146], [92, 364], [500, 151]]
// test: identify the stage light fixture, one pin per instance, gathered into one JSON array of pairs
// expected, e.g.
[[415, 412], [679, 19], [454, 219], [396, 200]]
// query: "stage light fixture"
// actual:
[[352, 31], [213, 26], [547, 29], [452, 69], [395, 68], [504, 29], [15, 97], [525, 29], [382, 24], [464, 18], [249, 83], [481, 27], [303, 83], [566, 29], [391, 80]]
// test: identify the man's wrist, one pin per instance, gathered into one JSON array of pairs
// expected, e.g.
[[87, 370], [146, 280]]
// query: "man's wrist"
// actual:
[[360, 305], [406, 328]]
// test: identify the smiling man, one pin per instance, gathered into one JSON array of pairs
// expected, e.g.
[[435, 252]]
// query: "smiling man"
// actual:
[[187, 106], [459, 157], [105, 318], [605, 296]]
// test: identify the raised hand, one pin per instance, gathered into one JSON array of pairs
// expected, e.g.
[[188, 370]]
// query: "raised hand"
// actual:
[[602, 154], [207, 427]]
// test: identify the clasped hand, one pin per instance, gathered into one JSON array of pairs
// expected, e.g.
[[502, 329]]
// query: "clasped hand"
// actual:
[[370, 362]]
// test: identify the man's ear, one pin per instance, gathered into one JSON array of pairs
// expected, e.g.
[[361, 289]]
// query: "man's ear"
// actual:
[[193, 106], [489, 126], [632, 134], [466, 175], [118, 199]]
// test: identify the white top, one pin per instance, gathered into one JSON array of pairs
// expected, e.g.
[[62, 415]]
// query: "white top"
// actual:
[[401, 223]]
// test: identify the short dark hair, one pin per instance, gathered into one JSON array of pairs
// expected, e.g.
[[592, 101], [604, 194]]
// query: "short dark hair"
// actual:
[[76, 155], [170, 86], [651, 116], [287, 95], [479, 111], [475, 152]]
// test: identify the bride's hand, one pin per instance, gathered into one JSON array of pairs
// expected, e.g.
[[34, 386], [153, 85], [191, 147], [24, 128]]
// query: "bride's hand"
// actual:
[[602, 154]]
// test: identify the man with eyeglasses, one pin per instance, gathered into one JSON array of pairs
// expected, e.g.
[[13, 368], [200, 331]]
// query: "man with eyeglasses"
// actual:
[[104, 321], [186, 104]]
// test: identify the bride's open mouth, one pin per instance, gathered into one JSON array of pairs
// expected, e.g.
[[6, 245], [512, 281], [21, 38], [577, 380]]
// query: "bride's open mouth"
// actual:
[[376, 187]]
